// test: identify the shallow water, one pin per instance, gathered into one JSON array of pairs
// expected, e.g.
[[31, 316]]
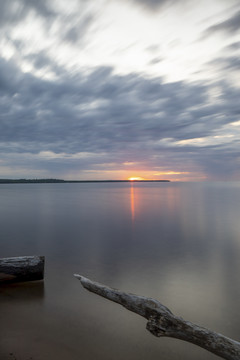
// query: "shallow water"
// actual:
[[176, 242]]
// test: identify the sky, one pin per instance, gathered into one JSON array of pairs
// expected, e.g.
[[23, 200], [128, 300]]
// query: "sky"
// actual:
[[113, 89]]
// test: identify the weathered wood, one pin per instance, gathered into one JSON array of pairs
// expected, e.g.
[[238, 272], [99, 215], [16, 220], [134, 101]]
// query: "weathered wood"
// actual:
[[162, 322], [23, 268]]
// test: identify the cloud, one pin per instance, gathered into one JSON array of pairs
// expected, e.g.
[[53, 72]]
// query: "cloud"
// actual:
[[152, 4], [125, 118], [155, 60], [40, 60], [15, 11], [227, 63], [230, 26], [104, 111], [234, 46], [79, 29], [55, 116]]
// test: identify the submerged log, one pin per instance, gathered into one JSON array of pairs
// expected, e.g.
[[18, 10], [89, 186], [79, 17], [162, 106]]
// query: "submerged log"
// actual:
[[23, 268], [162, 322]]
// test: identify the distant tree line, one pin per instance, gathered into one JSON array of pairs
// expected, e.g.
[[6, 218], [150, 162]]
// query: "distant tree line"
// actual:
[[27, 181], [54, 181]]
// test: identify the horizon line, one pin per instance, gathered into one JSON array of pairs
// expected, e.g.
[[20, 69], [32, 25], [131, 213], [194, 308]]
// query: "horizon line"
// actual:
[[53, 180]]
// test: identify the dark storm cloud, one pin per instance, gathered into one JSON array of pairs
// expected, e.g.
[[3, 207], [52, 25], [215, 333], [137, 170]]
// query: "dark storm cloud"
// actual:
[[229, 26]]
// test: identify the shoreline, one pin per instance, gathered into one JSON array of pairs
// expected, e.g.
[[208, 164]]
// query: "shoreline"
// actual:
[[59, 181]]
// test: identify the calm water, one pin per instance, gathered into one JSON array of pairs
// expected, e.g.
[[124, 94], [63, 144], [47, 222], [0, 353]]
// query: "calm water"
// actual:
[[178, 243]]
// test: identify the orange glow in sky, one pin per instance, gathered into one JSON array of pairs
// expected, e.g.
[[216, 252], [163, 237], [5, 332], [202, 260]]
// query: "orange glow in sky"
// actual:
[[135, 178]]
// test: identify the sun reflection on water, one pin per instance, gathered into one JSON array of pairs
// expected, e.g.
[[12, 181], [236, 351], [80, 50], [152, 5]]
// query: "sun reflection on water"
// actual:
[[132, 202]]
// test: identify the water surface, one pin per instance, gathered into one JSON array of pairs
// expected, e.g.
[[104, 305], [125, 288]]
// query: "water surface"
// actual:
[[176, 242]]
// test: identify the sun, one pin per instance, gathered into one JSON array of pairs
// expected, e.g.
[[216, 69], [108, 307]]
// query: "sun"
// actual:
[[135, 178]]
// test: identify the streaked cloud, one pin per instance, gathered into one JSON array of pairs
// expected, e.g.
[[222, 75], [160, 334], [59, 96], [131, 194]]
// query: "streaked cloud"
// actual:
[[230, 25], [83, 92]]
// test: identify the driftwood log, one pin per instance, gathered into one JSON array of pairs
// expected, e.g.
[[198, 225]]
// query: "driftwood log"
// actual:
[[23, 268], [162, 322]]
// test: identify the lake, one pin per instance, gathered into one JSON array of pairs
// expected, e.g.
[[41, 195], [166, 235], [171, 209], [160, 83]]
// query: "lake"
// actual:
[[175, 242]]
